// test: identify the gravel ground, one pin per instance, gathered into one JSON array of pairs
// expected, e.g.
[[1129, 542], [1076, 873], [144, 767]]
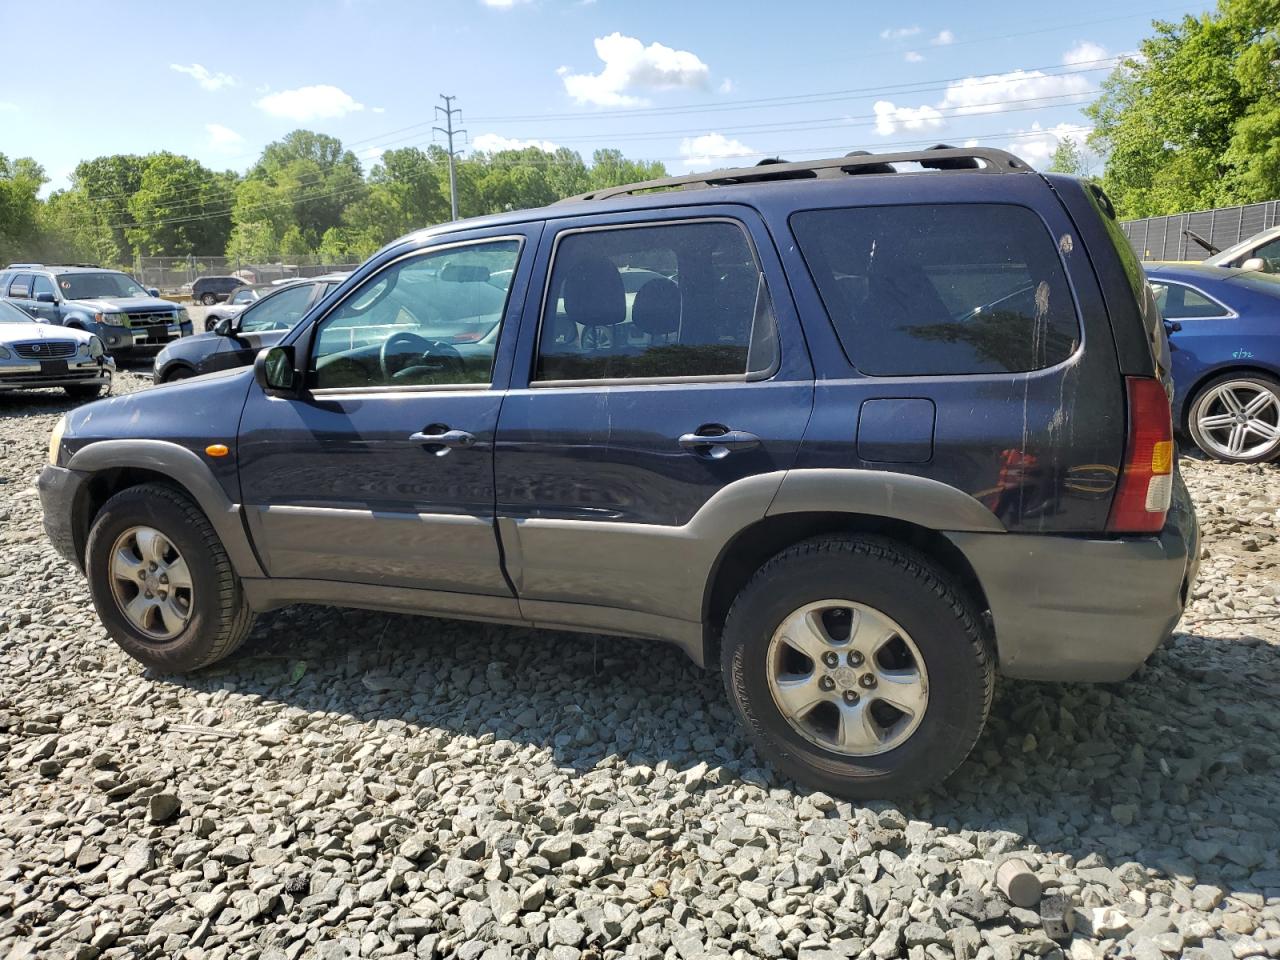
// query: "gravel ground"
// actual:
[[356, 784]]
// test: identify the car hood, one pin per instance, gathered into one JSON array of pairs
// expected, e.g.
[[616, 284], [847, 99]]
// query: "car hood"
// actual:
[[107, 304], [15, 332]]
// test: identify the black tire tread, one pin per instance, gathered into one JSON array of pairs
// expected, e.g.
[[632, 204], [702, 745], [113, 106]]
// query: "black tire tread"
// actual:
[[909, 563], [235, 616]]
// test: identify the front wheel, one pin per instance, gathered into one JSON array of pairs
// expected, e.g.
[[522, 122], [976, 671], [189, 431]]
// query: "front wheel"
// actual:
[[1236, 418], [858, 667], [177, 373], [161, 581], [209, 299]]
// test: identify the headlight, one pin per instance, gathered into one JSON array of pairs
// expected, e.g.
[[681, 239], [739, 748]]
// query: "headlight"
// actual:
[[4, 354], [96, 349], [114, 319], [55, 439]]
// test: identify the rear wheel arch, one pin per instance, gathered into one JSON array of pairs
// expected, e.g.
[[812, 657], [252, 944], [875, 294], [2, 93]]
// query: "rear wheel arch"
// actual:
[[755, 545]]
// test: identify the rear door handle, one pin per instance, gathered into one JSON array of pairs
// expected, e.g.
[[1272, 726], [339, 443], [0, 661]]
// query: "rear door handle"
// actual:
[[445, 439], [717, 445]]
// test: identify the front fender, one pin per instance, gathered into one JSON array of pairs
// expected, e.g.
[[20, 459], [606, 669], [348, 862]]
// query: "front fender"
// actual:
[[190, 473]]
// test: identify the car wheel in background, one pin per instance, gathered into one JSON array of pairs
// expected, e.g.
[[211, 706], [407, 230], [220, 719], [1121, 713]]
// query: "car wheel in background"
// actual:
[[210, 323], [1236, 418], [85, 392], [161, 581], [858, 668], [176, 373], [209, 299]]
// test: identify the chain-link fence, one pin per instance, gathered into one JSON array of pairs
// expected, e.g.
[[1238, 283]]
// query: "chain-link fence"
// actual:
[[174, 276], [1169, 238]]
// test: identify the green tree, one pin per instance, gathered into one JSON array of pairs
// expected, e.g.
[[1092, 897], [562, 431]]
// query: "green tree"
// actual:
[[180, 207], [609, 168], [253, 242], [305, 180], [1192, 122], [20, 183], [1068, 158], [105, 185], [294, 244]]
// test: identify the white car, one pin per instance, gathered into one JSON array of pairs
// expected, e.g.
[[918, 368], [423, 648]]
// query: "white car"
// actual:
[[1259, 252], [34, 354]]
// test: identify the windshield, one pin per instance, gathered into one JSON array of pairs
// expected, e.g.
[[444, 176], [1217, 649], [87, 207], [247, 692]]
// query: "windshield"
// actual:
[[95, 286]]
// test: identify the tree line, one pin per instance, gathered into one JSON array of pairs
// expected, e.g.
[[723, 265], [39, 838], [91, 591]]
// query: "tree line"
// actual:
[[307, 195], [1192, 121]]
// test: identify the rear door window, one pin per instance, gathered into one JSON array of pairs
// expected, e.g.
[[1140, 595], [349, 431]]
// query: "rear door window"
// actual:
[[948, 289], [21, 286]]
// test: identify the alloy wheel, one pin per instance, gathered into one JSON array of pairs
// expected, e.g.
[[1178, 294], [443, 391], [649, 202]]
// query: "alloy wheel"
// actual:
[[151, 583], [1239, 419]]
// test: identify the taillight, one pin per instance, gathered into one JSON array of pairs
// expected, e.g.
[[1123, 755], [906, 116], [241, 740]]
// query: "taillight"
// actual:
[[1146, 479]]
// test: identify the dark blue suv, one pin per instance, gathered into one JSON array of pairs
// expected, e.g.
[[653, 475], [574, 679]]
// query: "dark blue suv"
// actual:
[[860, 432]]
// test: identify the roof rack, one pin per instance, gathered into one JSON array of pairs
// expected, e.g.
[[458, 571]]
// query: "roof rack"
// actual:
[[942, 157], [24, 266]]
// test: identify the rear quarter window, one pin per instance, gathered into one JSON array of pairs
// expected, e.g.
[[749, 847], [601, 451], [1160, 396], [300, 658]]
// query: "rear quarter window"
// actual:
[[929, 290]]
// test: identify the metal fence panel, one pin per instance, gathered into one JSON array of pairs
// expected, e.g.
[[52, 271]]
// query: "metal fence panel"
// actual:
[[175, 275], [1165, 238]]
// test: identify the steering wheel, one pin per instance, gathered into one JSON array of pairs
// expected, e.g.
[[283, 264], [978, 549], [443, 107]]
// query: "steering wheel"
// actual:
[[399, 348]]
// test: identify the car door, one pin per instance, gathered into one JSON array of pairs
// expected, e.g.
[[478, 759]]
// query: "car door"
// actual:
[[262, 324], [630, 411], [44, 299], [381, 472], [20, 295], [1198, 337]]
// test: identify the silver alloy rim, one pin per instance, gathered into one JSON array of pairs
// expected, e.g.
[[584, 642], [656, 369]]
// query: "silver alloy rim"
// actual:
[[151, 583], [1239, 419], [847, 678]]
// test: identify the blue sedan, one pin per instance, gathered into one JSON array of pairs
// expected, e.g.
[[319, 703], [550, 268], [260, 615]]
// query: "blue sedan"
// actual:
[[1224, 339]]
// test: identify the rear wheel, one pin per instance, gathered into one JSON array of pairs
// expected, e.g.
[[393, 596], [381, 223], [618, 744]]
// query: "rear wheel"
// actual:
[[858, 667], [1236, 418], [177, 373], [161, 581], [209, 299], [84, 392]]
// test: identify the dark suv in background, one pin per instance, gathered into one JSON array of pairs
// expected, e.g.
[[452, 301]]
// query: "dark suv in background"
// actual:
[[861, 432], [211, 290], [128, 318]]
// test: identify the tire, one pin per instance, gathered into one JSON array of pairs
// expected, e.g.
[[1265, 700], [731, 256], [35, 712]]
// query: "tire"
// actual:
[[210, 323], [177, 373], [1253, 439], [209, 299], [84, 393], [218, 618], [898, 589]]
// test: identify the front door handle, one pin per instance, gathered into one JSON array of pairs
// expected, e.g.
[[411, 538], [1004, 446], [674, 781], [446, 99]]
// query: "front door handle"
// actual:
[[718, 444], [446, 440]]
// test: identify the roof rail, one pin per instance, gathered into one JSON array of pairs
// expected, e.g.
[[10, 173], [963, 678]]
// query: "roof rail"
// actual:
[[24, 266], [941, 157]]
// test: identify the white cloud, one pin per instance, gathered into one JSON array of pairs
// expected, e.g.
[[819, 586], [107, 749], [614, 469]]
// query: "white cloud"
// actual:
[[320, 102], [202, 76], [898, 33], [493, 142], [378, 109], [1084, 52], [890, 118], [943, 39], [372, 154], [993, 93], [912, 56], [711, 149], [7, 107], [223, 139], [726, 86], [1037, 144], [630, 65], [503, 4]]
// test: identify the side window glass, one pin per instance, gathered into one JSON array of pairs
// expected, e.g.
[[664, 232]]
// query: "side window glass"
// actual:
[[1270, 252], [670, 300], [428, 320], [21, 286], [279, 312], [941, 290], [1192, 305], [41, 284]]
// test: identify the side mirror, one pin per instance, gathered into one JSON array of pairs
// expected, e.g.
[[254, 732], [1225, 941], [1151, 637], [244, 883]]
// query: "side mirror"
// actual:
[[153, 291], [274, 370], [225, 326], [1256, 264], [44, 297]]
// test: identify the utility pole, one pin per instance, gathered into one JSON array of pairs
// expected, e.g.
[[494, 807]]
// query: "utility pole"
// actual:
[[448, 110]]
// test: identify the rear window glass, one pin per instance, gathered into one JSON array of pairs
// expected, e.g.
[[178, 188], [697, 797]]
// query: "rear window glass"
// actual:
[[941, 290]]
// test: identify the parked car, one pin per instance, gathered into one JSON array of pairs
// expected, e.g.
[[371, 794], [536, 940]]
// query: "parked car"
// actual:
[[1259, 252], [36, 355], [235, 303], [868, 437], [211, 290], [237, 339], [1224, 337], [128, 319]]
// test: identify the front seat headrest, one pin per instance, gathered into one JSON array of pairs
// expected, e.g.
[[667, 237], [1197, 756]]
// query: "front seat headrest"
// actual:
[[593, 292], [656, 308]]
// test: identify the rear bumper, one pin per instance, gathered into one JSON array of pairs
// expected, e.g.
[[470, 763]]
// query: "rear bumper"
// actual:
[[1074, 608]]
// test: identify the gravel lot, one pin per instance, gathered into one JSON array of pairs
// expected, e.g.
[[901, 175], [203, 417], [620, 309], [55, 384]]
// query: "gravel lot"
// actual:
[[357, 784]]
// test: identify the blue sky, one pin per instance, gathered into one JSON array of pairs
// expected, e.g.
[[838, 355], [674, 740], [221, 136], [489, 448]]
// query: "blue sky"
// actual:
[[694, 84]]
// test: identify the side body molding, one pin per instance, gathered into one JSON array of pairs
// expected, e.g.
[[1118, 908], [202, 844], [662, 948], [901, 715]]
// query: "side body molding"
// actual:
[[187, 470]]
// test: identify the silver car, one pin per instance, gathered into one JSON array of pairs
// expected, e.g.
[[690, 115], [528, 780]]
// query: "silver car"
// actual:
[[34, 354]]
